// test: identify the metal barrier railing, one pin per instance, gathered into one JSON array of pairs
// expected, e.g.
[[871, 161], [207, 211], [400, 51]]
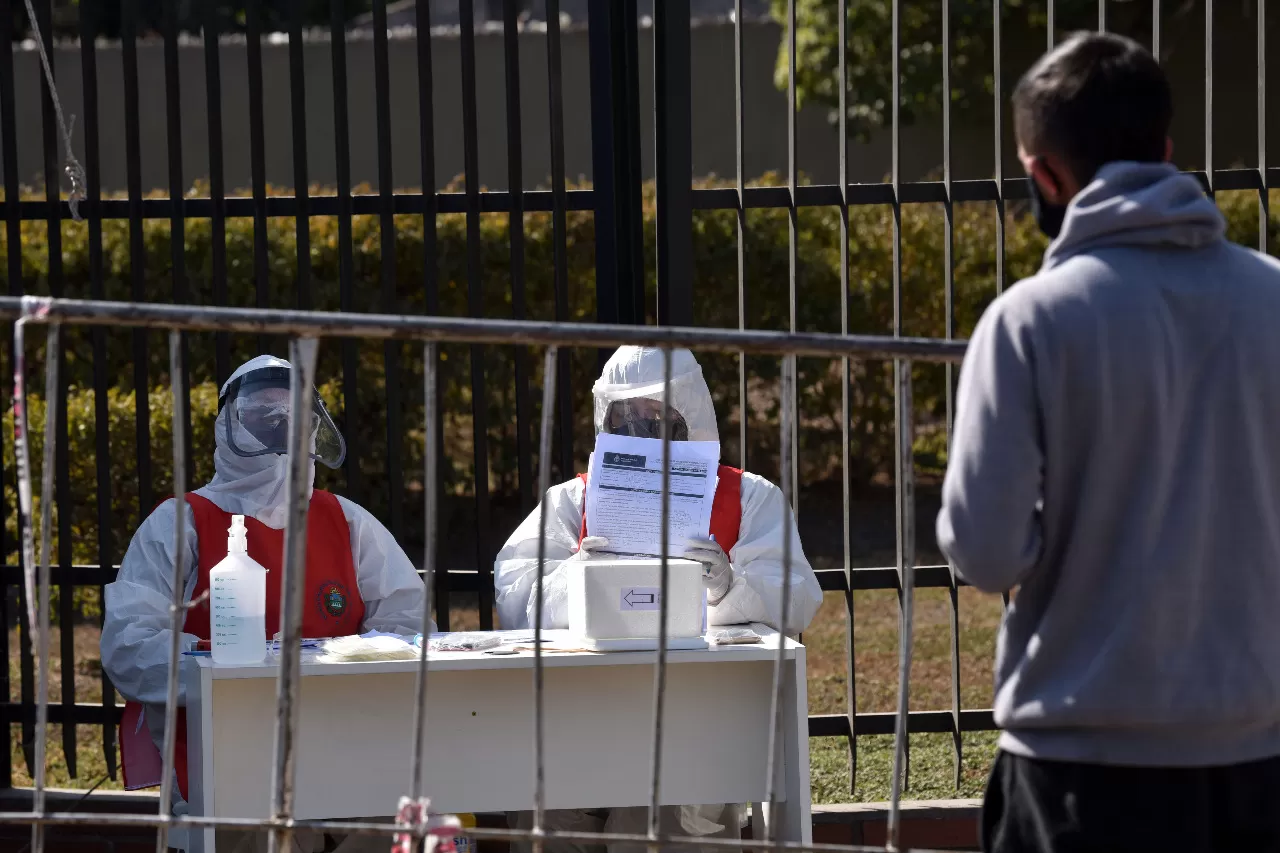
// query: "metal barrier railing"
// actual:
[[305, 330]]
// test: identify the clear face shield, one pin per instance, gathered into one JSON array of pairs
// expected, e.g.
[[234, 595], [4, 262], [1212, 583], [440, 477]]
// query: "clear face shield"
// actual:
[[259, 414], [642, 417]]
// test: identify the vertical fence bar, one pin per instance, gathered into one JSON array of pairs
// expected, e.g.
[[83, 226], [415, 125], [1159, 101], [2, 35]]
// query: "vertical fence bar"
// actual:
[[1264, 198], [905, 465], [475, 305], [58, 400], [137, 255], [1208, 95], [549, 371], [301, 193], [178, 591], [774, 760], [846, 410], [431, 362], [258, 159], [998, 108], [660, 669], [673, 148], [1102, 16], [615, 155], [346, 252], [13, 237], [177, 191], [793, 231], [98, 337], [948, 208], [515, 225], [431, 291], [26, 533], [1049, 29], [898, 310], [53, 419], [217, 187], [740, 133], [392, 350], [560, 229], [13, 225], [1155, 28], [997, 12], [302, 355]]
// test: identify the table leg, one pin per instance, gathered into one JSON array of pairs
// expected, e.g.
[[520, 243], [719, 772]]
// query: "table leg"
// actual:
[[794, 817], [199, 765]]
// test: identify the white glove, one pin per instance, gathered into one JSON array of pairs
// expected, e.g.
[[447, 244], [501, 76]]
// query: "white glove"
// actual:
[[589, 545], [717, 573]]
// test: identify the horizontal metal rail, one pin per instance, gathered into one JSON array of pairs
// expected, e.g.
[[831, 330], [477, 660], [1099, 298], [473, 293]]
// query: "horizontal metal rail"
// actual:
[[540, 201], [831, 580], [203, 318], [386, 829], [820, 725]]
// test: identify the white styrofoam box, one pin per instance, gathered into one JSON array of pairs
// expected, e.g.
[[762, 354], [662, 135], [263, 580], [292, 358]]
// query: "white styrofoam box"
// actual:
[[620, 598]]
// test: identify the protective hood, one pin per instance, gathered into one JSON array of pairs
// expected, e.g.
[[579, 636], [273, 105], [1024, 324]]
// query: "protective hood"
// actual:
[[633, 372], [1137, 204], [253, 486]]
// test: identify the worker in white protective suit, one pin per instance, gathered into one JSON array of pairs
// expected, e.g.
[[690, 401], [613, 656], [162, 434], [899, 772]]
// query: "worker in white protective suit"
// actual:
[[742, 561], [357, 577]]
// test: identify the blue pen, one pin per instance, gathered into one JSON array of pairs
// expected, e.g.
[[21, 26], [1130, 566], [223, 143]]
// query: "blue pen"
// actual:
[[199, 654]]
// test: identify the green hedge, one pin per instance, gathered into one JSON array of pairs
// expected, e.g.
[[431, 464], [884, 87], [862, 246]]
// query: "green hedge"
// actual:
[[870, 310]]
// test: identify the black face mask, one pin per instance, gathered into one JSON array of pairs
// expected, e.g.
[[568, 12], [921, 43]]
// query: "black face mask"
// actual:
[[1048, 216]]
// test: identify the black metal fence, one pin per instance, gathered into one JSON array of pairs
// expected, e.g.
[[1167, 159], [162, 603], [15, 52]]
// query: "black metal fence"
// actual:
[[615, 201]]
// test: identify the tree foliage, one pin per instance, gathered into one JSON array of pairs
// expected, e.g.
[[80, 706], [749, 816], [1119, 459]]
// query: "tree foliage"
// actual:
[[870, 51]]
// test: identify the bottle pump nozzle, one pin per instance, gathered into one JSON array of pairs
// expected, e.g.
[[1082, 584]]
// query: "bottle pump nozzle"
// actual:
[[237, 536]]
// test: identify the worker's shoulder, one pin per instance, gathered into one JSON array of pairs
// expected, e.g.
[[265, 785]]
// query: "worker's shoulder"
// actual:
[[572, 489], [165, 512], [353, 511], [757, 489]]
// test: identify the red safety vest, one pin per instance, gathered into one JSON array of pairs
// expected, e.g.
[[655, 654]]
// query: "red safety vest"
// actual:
[[726, 508], [332, 607]]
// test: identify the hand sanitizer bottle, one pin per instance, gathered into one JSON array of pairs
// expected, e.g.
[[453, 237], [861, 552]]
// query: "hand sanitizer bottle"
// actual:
[[238, 603]]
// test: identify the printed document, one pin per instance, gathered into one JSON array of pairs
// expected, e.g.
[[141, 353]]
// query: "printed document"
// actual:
[[624, 493]]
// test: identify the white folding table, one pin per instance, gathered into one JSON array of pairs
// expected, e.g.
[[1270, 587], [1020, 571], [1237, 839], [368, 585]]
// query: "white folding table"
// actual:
[[354, 740]]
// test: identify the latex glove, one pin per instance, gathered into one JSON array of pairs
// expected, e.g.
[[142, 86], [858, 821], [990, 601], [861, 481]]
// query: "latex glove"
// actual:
[[590, 544], [717, 573]]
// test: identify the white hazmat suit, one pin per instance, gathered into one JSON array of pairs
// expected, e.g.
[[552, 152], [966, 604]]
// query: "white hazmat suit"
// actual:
[[136, 633], [754, 594]]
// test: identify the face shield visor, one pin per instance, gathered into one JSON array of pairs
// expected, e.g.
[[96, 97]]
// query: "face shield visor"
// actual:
[[642, 417], [629, 394], [259, 415]]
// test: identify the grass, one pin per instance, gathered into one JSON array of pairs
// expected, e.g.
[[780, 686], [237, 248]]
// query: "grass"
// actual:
[[932, 757]]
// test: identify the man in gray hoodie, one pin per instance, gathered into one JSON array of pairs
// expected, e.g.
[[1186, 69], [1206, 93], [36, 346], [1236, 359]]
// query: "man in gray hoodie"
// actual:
[[1116, 457]]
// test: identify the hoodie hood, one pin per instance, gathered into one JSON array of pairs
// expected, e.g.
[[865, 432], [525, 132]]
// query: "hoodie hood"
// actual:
[[1137, 204], [633, 372], [254, 486]]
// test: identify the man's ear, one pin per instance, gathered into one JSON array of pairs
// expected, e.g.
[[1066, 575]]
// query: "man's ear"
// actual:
[[1168, 149], [1053, 185]]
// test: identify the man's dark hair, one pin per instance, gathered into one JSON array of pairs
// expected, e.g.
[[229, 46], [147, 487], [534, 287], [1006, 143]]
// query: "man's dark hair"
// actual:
[[1097, 98]]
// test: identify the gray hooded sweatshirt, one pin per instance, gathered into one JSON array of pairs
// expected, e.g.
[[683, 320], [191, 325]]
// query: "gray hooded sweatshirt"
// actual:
[[1116, 457]]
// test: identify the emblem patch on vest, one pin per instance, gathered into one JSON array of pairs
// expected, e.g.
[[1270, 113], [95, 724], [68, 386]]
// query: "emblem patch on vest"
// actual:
[[332, 600]]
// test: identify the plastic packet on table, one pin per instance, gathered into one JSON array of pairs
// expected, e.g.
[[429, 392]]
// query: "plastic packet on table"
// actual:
[[462, 641], [352, 649], [731, 636]]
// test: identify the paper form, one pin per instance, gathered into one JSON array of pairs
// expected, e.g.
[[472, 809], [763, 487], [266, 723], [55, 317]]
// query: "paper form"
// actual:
[[624, 493]]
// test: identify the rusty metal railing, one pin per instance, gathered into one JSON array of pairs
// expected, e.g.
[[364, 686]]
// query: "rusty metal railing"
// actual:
[[306, 331]]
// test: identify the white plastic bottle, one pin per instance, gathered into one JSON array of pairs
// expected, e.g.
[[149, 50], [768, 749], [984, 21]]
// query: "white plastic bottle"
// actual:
[[238, 601]]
